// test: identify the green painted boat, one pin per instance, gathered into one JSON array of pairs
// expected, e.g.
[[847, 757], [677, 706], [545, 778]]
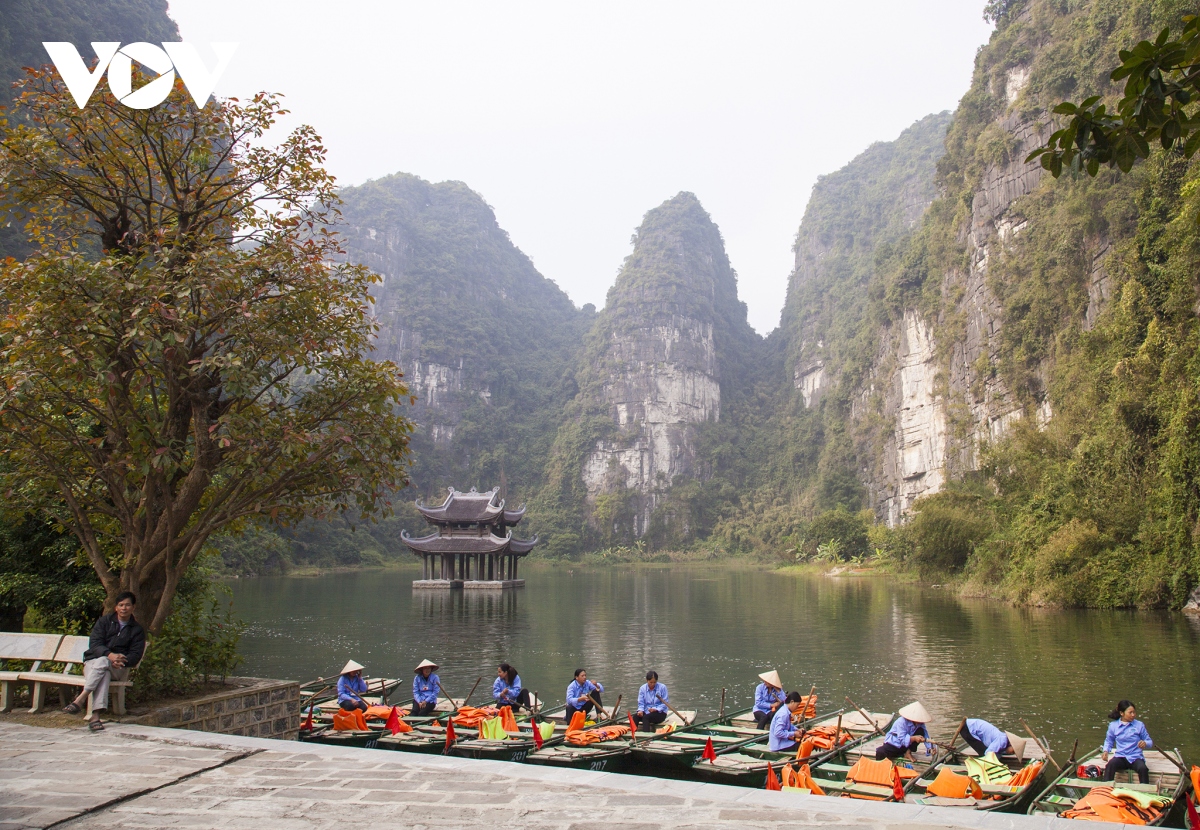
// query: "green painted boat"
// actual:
[[1166, 779], [997, 797], [678, 751], [516, 747]]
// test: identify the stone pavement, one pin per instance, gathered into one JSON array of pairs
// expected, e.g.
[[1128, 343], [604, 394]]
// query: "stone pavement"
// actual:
[[144, 777]]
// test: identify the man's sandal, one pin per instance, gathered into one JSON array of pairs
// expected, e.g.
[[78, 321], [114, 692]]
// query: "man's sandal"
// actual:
[[96, 725], [72, 708]]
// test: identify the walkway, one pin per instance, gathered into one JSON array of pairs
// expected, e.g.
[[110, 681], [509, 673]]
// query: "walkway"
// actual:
[[137, 776]]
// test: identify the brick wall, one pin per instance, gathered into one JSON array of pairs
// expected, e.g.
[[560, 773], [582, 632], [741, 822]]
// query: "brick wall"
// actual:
[[253, 706]]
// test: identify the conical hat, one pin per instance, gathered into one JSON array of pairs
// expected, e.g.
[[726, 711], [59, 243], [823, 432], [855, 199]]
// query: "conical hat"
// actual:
[[771, 677], [1017, 745], [350, 666], [425, 664], [915, 712]]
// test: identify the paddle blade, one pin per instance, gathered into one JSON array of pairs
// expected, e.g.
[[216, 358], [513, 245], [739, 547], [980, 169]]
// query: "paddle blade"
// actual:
[[710, 754], [897, 785], [393, 721], [773, 779]]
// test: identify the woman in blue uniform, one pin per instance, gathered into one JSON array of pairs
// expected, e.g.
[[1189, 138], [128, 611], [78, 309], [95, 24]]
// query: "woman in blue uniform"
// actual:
[[906, 734], [582, 694], [506, 689], [768, 697], [984, 737], [652, 703], [351, 687], [783, 733], [1126, 738], [425, 689]]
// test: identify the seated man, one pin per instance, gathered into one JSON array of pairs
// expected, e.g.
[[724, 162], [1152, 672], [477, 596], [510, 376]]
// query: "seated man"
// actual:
[[652, 703], [983, 737], [783, 734], [116, 645], [425, 689], [351, 687], [907, 733]]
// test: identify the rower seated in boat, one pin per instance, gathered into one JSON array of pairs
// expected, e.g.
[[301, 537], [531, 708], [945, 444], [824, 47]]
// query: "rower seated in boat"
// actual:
[[351, 687], [506, 689], [783, 735], [768, 697], [425, 689], [983, 737], [652, 703], [582, 694], [907, 733], [1126, 738]]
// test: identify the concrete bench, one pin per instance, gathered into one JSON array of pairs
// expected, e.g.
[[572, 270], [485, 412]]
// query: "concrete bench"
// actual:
[[70, 652], [33, 648]]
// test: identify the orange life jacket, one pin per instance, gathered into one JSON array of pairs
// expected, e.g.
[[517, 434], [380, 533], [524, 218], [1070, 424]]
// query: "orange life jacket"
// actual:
[[801, 778], [1101, 805], [584, 737], [1026, 775], [378, 713], [821, 738], [507, 720], [950, 784], [1195, 782], [807, 709], [870, 771], [351, 720], [577, 721], [471, 716]]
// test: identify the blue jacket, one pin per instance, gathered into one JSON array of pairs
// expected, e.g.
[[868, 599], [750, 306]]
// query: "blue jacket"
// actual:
[[425, 689], [1122, 739], [781, 731], [902, 732], [505, 693], [764, 698], [988, 734], [577, 690], [346, 686], [653, 701]]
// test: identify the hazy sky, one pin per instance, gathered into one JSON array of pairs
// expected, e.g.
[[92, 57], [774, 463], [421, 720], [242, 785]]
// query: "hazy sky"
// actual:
[[572, 120]]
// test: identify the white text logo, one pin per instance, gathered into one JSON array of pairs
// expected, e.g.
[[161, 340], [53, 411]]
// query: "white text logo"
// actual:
[[118, 60]]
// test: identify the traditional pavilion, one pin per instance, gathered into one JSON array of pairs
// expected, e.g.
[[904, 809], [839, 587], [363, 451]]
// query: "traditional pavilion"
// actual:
[[472, 545]]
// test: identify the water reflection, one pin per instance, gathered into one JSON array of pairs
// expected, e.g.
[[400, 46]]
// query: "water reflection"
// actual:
[[704, 629]]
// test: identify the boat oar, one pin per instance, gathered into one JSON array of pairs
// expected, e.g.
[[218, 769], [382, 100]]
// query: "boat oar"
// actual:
[[870, 720], [721, 714], [1171, 758], [599, 708], [1042, 746], [467, 699], [672, 708]]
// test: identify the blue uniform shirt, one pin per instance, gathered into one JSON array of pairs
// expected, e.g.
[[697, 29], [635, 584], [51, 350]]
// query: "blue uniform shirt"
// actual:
[[781, 731], [425, 689], [984, 732], [503, 692], [649, 699], [764, 698], [1122, 739], [902, 732], [346, 686], [577, 690]]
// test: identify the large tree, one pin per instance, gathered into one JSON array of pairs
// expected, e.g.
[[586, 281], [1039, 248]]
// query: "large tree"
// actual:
[[182, 353]]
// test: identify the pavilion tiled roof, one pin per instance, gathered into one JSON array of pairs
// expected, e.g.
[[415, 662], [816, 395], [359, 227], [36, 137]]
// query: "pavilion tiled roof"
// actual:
[[437, 543], [467, 508]]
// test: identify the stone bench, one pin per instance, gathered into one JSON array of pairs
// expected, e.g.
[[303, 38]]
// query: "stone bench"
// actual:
[[32, 648], [70, 653]]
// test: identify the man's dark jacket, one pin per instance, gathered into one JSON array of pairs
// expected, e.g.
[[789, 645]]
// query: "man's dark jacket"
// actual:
[[108, 636]]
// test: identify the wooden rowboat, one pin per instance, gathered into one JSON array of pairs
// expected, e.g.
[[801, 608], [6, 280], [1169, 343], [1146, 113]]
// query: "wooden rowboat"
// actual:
[[517, 746], [1166, 779], [997, 797]]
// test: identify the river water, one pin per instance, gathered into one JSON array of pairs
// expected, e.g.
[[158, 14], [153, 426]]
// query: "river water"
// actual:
[[704, 628]]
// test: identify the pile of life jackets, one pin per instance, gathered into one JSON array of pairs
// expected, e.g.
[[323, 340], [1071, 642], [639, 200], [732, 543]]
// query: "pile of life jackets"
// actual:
[[801, 779], [807, 709], [1119, 805], [1027, 774], [666, 729], [352, 720], [472, 716], [499, 727], [585, 737], [821, 739]]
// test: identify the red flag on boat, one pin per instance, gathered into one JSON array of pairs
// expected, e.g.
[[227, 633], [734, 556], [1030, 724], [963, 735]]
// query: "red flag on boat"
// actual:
[[709, 754], [537, 733], [449, 733], [1193, 817], [308, 724], [897, 785], [393, 721], [632, 726], [772, 779]]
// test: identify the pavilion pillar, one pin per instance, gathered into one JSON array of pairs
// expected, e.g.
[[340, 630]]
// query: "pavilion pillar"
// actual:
[[514, 576]]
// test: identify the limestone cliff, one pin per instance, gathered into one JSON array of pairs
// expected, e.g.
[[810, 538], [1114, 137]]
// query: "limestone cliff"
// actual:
[[482, 337]]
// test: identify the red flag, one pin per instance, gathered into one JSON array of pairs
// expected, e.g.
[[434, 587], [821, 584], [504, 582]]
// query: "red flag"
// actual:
[[709, 754], [449, 733], [393, 721], [537, 733], [632, 726], [308, 724], [772, 779], [1193, 817], [897, 785]]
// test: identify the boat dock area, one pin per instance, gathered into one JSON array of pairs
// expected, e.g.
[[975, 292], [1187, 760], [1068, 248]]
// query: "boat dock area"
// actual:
[[137, 776]]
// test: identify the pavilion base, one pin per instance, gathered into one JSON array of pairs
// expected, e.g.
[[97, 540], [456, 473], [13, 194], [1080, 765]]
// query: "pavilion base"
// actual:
[[469, 584]]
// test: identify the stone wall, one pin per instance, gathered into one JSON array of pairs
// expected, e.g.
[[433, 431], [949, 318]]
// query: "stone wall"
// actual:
[[252, 706]]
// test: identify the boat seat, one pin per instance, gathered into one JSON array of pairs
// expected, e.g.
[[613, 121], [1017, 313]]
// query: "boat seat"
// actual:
[[1088, 783]]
